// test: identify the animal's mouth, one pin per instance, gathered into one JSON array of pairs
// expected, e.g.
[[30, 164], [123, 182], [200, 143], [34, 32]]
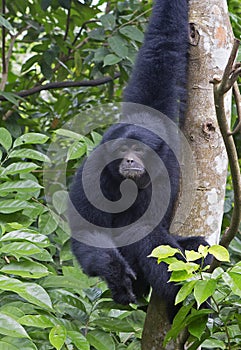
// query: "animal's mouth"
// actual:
[[132, 173]]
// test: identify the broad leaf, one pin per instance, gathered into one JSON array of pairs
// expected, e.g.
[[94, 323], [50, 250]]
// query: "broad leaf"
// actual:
[[203, 290], [219, 252], [8, 326], [57, 336], [184, 292], [78, 340], [19, 168], [8, 206], [26, 235], [133, 33], [111, 59], [27, 269], [163, 251], [30, 138], [101, 340], [39, 321], [29, 153], [5, 138]]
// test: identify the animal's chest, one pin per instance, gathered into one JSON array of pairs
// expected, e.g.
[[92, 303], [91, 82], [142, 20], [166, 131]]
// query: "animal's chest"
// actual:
[[132, 214]]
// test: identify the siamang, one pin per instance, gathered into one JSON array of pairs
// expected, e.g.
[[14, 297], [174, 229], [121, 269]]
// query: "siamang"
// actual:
[[111, 237]]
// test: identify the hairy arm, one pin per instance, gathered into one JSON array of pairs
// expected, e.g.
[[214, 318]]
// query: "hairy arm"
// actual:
[[160, 73]]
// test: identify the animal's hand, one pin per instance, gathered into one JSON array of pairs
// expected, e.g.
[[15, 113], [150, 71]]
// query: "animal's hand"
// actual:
[[121, 287]]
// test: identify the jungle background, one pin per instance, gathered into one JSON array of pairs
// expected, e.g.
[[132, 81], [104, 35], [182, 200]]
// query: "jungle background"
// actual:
[[62, 61]]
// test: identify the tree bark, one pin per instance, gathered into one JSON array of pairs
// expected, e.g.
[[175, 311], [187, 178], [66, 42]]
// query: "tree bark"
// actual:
[[211, 40]]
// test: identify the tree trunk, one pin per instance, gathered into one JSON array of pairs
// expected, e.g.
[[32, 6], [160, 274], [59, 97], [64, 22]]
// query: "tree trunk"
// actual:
[[211, 39]]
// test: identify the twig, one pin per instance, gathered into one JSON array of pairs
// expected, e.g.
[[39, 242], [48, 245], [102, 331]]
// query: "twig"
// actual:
[[4, 65], [219, 91], [237, 98], [225, 82], [82, 28], [6, 60], [67, 24], [64, 84]]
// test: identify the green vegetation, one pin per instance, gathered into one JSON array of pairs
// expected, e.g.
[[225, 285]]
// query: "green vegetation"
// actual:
[[63, 61]]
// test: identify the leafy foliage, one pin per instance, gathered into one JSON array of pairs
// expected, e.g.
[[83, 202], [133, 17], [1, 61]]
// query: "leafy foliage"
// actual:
[[216, 325], [46, 301]]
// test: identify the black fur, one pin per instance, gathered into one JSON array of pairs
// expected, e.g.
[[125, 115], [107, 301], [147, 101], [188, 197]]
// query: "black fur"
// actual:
[[160, 73], [158, 81]]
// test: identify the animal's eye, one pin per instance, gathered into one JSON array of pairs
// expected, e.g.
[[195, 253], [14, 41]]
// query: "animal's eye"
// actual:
[[123, 149], [138, 149]]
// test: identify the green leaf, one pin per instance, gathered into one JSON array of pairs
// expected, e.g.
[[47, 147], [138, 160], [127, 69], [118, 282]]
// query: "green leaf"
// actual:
[[30, 62], [29, 153], [26, 269], [113, 324], [76, 150], [96, 137], [108, 21], [8, 326], [26, 235], [8, 206], [118, 46], [18, 343], [97, 34], [77, 63], [13, 98], [231, 283], [70, 134], [5, 23], [60, 201], [197, 327], [236, 277], [203, 290], [19, 168], [100, 340], [219, 252], [212, 343], [133, 33], [57, 336], [37, 295], [7, 346], [5, 138], [185, 291], [30, 138], [181, 265], [179, 323], [78, 340], [47, 223], [20, 249], [203, 250], [111, 59], [19, 186], [179, 276], [39, 321], [100, 54], [191, 255], [163, 251], [46, 69]]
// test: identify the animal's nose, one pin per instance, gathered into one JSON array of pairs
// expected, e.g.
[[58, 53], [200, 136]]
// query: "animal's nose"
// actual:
[[129, 160]]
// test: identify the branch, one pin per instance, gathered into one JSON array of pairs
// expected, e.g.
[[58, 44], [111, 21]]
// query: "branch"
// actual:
[[237, 98], [6, 60], [4, 69], [82, 28], [219, 91], [65, 84], [67, 24]]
